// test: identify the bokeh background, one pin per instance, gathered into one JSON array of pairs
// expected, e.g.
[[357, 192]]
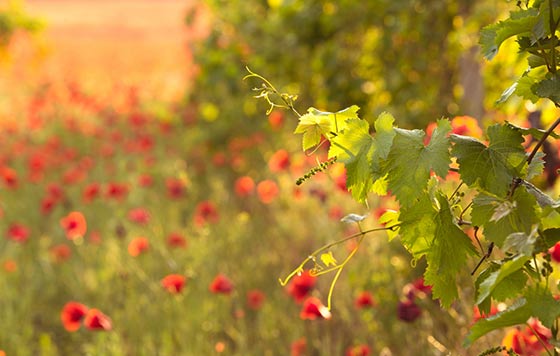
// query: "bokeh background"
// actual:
[[148, 205]]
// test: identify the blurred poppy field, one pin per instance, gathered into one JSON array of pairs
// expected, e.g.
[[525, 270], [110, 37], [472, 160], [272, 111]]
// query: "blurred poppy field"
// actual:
[[149, 206]]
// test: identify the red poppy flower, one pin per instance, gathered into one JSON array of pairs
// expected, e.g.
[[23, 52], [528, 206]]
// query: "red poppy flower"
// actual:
[[408, 310], [206, 212], [72, 314], [116, 191], [138, 246], [420, 287], [528, 341], [221, 285], [555, 252], [477, 315], [96, 320], [173, 283], [60, 253], [176, 240], [267, 191], [219, 159], [276, 119], [298, 347], [10, 266], [91, 192], [364, 300], [359, 350], [9, 176], [140, 216], [55, 191], [244, 186], [175, 188], [255, 299], [18, 233], [74, 224], [280, 161], [313, 309], [301, 285], [47, 205], [145, 180]]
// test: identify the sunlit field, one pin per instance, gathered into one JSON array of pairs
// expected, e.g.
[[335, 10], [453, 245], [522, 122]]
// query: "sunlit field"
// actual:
[[137, 222]]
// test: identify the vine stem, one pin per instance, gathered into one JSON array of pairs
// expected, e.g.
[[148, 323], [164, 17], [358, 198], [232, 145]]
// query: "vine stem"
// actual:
[[541, 341], [313, 255], [269, 85], [541, 141]]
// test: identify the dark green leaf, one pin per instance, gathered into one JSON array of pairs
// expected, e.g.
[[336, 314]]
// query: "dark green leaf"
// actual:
[[509, 267], [491, 168], [548, 88], [518, 313], [409, 176], [520, 23], [428, 229], [522, 217]]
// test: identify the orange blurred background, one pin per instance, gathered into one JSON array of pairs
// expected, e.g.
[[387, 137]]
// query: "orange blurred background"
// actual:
[[101, 45]]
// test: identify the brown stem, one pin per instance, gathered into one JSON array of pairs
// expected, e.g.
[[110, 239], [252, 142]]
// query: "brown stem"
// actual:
[[541, 141]]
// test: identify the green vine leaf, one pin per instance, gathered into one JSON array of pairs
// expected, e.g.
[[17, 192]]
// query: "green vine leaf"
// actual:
[[508, 268], [520, 218], [361, 153], [409, 163], [316, 123], [491, 168], [506, 289], [548, 88], [428, 229], [538, 302], [520, 23]]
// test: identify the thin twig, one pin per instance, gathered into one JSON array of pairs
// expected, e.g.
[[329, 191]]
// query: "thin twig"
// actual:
[[541, 141]]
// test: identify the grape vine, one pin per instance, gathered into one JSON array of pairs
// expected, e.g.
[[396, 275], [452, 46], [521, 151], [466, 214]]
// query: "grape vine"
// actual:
[[491, 191]]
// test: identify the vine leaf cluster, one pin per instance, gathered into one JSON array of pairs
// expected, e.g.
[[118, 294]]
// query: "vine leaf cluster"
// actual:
[[519, 221]]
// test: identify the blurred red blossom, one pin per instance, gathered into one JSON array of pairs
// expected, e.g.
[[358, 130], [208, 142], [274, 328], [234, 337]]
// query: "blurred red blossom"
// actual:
[[298, 347], [276, 119], [554, 252], [10, 266], [408, 310], [419, 286], [96, 320], [279, 161], [74, 225], [90, 192], [60, 253], [358, 350], [116, 191], [18, 232], [221, 285], [175, 188], [529, 341], [173, 283], [244, 186], [267, 191], [72, 315], [477, 315], [300, 286], [140, 216], [364, 300], [313, 309], [138, 245], [9, 177], [206, 212], [255, 299], [176, 240]]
